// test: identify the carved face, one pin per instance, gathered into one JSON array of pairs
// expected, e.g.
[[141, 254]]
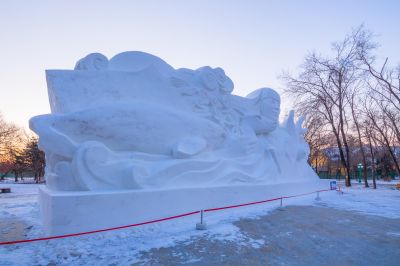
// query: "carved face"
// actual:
[[270, 105]]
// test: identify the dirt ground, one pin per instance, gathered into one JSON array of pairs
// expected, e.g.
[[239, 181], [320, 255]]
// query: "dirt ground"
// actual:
[[294, 236]]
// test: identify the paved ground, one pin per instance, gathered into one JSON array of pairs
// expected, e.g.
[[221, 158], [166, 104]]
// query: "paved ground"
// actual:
[[11, 229], [297, 235]]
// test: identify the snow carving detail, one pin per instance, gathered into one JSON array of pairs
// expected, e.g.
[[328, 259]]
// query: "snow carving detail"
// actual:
[[135, 122]]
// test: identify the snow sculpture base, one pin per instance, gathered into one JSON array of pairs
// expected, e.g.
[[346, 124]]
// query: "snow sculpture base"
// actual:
[[77, 211]]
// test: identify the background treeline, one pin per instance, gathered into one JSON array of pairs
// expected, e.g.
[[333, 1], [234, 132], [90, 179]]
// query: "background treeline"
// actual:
[[19, 153], [351, 100]]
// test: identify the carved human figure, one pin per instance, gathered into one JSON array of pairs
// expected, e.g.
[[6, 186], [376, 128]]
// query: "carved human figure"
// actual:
[[135, 122], [266, 116]]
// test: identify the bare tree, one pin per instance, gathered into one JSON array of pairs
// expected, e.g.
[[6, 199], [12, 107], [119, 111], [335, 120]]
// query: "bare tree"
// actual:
[[368, 134], [10, 138], [384, 133], [384, 90], [34, 159], [386, 80], [325, 86], [318, 141], [355, 113]]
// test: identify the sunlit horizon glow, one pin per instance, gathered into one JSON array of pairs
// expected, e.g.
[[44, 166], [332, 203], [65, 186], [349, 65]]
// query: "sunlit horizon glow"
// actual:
[[253, 41]]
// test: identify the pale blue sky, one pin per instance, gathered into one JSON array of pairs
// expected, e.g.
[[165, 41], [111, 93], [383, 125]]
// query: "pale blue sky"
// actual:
[[252, 40]]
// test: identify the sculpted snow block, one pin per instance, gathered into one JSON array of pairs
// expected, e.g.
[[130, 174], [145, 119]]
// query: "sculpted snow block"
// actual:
[[135, 123]]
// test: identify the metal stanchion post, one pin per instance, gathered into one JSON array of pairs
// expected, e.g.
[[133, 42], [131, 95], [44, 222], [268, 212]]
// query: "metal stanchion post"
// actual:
[[281, 204], [202, 225], [317, 198]]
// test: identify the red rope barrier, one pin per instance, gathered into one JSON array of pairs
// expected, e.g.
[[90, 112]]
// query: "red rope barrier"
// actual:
[[154, 221], [240, 205], [98, 231]]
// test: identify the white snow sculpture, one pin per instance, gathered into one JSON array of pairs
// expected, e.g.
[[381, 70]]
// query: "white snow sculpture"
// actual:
[[93, 61], [132, 139], [134, 122]]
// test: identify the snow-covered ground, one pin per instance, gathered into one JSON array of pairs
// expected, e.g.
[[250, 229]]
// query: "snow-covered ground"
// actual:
[[20, 218]]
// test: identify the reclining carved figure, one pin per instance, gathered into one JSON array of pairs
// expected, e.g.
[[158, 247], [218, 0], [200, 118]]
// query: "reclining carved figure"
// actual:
[[135, 122]]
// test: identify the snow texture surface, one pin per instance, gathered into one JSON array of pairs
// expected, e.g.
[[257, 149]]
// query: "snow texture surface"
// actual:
[[256, 234]]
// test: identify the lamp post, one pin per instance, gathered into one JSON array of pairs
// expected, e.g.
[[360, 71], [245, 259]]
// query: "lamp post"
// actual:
[[360, 169]]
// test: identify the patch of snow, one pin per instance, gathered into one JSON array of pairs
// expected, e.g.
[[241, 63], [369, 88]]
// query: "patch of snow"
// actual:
[[125, 246]]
